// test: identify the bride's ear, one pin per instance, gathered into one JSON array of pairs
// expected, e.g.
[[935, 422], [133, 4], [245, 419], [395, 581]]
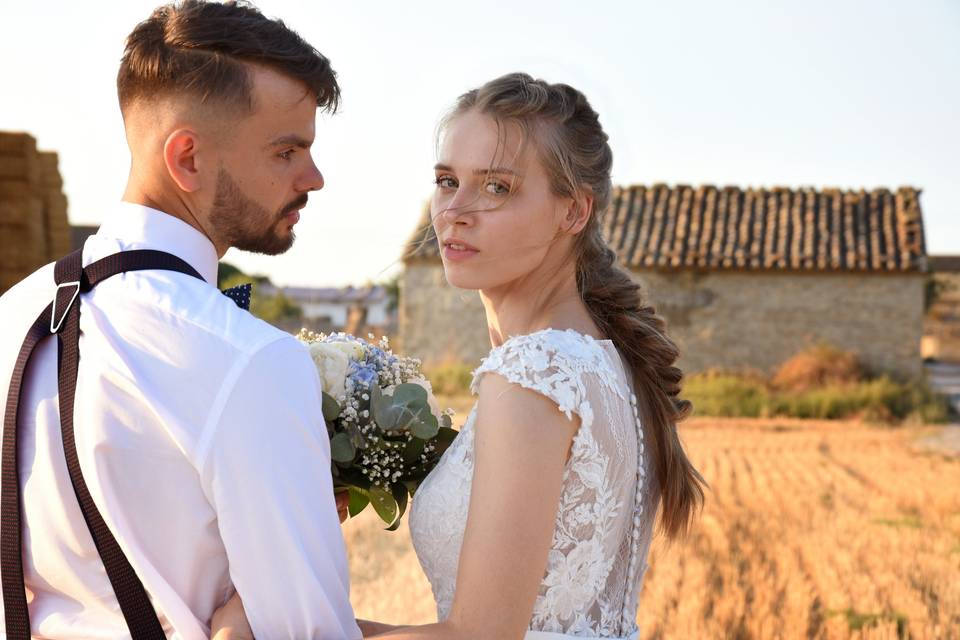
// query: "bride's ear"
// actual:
[[180, 157], [579, 210]]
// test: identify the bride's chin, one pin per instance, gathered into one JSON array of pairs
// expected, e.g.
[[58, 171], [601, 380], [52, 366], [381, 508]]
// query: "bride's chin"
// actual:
[[457, 279]]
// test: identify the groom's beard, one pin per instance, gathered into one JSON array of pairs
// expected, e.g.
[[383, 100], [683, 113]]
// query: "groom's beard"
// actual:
[[242, 223]]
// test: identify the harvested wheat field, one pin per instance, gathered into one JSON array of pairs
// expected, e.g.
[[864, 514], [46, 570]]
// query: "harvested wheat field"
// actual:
[[811, 530]]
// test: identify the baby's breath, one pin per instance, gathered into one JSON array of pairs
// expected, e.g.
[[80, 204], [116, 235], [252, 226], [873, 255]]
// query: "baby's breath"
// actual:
[[380, 455]]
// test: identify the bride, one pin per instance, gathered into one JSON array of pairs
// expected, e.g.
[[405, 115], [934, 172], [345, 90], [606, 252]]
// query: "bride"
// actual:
[[537, 521]]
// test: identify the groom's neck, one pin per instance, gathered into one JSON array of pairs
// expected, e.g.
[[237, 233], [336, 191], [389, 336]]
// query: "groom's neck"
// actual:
[[170, 204]]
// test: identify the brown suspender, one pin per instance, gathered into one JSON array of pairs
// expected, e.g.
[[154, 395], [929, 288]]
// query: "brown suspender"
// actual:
[[62, 318]]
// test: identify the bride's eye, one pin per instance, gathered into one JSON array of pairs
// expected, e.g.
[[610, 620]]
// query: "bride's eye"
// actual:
[[497, 188], [445, 182]]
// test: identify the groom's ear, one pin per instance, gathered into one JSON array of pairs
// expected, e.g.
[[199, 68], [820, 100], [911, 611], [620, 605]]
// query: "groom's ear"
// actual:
[[180, 157]]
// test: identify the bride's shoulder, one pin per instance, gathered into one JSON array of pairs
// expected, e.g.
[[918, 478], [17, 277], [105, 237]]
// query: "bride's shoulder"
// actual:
[[553, 362]]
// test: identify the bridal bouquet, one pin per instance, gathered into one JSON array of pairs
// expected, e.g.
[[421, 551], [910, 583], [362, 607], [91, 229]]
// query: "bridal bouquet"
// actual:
[[386, 430]]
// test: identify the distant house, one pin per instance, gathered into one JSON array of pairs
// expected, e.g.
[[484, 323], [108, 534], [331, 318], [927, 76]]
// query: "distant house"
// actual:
[[356, 310], [941, 330], [744, 277]]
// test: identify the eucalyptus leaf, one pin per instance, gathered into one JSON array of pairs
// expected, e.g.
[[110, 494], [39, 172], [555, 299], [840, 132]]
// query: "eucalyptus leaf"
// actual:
[[426, 427], [409, 394], [445, 421], [407, 406], [386, 415], [341, 448], [331, 408]]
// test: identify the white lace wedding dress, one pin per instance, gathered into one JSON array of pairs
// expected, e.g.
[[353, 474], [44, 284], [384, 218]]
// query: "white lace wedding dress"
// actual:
[[604, 522]]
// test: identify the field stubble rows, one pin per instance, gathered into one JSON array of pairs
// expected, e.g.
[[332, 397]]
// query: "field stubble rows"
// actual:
[[811, 530]]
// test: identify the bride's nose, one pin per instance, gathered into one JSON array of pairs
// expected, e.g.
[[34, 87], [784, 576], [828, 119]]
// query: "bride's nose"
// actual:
[[460, 209]]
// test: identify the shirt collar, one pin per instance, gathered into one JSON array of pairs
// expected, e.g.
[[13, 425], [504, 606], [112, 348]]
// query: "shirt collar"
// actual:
[[140, 227]]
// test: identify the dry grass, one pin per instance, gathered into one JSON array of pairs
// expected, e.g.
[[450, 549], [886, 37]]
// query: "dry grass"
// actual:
[[812, 530]]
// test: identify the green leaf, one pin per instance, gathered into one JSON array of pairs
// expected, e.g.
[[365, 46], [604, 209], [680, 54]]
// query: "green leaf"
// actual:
[[384, 413], [426, 427], [411, 452], [445, 421], [412, 486], [359, 499], [341, 449], [445, 437], [399, 492], [384, 504], [409, 393], [352, 477], [331, 408], [403, 409]]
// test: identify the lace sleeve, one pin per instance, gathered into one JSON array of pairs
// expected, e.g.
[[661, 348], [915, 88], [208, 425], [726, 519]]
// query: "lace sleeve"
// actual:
[[549, 362]]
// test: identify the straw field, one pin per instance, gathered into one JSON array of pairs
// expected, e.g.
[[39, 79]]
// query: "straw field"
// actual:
[[811, 530]]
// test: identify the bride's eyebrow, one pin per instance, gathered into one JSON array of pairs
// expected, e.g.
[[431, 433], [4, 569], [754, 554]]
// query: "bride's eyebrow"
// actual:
[[503, 170], [479, 172]]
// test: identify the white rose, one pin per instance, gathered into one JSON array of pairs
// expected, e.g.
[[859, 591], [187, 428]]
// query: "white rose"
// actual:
[[352, 350], [332, 366]]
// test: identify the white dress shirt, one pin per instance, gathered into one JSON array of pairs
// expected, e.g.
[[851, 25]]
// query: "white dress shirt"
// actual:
[[201, 438]]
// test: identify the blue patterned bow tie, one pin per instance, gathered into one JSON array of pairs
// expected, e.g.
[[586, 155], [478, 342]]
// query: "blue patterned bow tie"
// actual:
[[240, 294]]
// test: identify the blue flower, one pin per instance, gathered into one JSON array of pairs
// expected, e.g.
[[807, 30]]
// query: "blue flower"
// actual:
[[363, 374]]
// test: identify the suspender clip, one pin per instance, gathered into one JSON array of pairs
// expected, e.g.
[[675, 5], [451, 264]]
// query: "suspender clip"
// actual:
[[57, 320]]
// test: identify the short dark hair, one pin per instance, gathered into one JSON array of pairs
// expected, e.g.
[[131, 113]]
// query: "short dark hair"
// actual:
[[199, 48]]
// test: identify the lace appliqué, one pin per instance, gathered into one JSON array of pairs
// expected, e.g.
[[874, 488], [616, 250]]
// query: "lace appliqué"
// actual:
[[552, 363]]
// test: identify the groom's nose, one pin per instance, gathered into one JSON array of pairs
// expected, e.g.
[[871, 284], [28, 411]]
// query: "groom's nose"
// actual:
[[312, 179]]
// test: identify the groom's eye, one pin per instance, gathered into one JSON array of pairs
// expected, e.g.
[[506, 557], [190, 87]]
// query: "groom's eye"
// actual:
[[286, 155]]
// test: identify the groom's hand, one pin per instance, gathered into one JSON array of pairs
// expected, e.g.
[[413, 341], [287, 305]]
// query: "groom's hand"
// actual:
[[343, 505]]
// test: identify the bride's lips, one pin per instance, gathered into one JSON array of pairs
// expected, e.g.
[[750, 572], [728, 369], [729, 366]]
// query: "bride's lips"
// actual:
[[457, 250]]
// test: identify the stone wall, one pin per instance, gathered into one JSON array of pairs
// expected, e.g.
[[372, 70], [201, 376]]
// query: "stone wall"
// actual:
[[439, 323], [941, 339], [33, 209], [743, 320], [727, 320]]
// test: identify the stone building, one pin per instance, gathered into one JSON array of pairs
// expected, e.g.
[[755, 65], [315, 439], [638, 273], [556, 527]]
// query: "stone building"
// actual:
[[33, 209], [941, 330], [744, 277]]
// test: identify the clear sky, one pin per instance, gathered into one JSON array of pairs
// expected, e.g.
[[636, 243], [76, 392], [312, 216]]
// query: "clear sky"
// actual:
[[751, 93]]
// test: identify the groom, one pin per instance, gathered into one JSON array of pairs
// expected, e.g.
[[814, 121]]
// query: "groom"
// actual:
[[198, 428]]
